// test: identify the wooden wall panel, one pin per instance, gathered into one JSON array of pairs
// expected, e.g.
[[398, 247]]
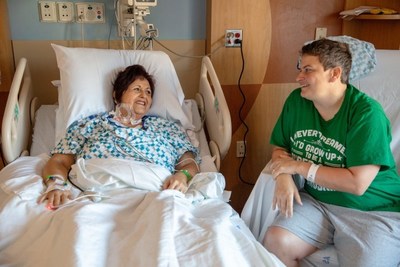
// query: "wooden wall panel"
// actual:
[[254, 18], [6, 54]]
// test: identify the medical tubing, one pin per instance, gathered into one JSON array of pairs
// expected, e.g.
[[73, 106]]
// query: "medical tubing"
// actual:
[[70, 202], [191, 159], [242, 119], [58, 184]]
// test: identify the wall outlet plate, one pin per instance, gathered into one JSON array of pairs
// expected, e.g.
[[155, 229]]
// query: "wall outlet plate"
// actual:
[[90, 12], [47, 11], [240, 149], [320, 33], [65, 11], [233, 38]]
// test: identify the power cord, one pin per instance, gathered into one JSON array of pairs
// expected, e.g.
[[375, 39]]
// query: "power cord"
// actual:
[[242, 119]]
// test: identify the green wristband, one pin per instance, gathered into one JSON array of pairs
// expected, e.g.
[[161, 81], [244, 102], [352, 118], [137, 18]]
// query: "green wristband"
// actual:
[[187, 174]]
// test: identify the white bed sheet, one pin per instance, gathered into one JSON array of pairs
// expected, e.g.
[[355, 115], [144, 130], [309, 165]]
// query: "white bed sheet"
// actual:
[[132, 228]]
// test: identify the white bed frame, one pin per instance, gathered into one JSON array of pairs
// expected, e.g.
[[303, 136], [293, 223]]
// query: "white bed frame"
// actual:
[[18, 114], [21, 106]]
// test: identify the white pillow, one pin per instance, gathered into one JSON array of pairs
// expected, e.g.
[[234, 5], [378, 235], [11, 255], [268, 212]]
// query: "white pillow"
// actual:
[[86, 83]]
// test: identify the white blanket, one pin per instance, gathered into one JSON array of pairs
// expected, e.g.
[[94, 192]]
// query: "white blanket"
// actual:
[[131, 228]]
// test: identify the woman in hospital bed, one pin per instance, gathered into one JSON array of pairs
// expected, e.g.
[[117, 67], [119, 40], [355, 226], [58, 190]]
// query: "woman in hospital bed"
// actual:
[[125, 133], [338, 139]]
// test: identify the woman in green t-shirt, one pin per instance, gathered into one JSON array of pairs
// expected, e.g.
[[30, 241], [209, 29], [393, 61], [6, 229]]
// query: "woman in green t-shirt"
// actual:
[[338, 139]]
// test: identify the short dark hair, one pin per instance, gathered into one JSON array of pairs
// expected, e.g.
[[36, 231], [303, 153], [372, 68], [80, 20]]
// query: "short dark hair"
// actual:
[[128, 76], [331, 54]]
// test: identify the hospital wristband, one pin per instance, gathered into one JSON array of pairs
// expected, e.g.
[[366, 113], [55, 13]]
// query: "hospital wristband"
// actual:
[[187, 174], [312, 171]]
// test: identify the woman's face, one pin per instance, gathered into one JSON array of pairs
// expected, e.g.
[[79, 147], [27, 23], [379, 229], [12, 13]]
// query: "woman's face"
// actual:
[[313, 79], [138, 96]]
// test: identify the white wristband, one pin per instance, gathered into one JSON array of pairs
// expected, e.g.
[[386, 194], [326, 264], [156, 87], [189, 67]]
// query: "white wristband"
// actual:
[[312, 171]]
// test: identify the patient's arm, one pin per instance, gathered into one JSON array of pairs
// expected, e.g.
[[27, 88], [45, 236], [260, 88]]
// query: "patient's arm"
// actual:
[[58, 165], [186, 166]]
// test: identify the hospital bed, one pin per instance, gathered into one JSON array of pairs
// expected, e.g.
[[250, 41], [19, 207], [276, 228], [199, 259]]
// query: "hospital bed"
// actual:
[[382, 84], [129, 226]]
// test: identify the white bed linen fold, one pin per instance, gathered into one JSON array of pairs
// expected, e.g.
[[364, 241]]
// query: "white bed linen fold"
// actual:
[[132, 228]]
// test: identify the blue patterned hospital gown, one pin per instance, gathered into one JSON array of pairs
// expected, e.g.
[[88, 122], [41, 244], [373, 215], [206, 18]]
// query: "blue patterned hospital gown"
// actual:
[[159, 141]]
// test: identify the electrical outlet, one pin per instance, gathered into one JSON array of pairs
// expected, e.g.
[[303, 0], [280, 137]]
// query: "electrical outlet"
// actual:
[[47, 11], [240, 149], [233, 38], [90, 12], [320, 33], [65, 11]]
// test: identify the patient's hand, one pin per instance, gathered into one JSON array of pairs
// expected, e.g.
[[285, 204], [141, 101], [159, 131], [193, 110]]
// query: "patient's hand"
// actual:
[[285, 192], [176, 181], [56, 198]]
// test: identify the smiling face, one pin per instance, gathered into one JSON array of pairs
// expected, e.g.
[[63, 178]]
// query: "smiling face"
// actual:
[[138, 96], [315, 82]]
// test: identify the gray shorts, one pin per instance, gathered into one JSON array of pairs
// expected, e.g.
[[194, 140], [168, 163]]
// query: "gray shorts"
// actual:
[[360, 238]]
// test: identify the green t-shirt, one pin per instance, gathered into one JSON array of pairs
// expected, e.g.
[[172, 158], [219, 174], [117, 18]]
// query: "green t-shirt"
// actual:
[[359, 134]]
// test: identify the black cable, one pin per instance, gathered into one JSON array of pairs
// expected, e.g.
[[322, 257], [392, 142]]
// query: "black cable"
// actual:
[[242, 120], [69, 180]]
